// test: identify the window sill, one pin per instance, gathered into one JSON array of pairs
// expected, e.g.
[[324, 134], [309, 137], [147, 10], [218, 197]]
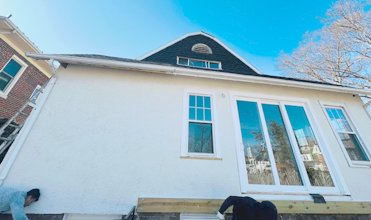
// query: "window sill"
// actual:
[[3, 95], [202, 157], [359, 165]]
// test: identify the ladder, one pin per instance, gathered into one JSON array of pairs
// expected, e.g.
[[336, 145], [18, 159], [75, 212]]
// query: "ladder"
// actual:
[[7, 140], [131, 215]]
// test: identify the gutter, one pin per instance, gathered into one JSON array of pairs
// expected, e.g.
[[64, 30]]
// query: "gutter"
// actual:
[[155, 68], [15, 33], [16, 30]]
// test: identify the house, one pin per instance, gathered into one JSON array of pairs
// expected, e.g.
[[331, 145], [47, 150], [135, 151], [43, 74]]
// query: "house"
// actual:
[[177, 131], [19, 75]]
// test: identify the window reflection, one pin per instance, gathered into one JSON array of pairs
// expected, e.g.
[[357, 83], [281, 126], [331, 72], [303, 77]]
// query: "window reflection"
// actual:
[[347, 136], [312, 156], [257, 161], [282, 150]]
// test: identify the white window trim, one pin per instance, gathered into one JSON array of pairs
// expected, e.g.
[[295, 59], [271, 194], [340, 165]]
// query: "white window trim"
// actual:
[[206, 61], [351, 163], [340, 188], [4, 94], [197, 216], [184, 146]]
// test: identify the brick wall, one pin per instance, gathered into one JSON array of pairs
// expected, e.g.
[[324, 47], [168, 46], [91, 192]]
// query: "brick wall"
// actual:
[[25, 85]]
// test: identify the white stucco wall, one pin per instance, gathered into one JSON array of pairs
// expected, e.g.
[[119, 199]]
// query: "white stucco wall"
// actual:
[[106, 137]]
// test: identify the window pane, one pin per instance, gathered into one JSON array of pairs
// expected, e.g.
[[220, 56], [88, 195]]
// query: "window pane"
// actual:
[[353, 147], [344, 123], [197, 63], [338, 120], [200, 101], [192, 114], [4, 80], [12, 68], [183, 61], [200, 114], [257, 161], [192, 100], [214, 65], [207, 115], [200, 138], [207, 102], [283, 154], [311, 154]]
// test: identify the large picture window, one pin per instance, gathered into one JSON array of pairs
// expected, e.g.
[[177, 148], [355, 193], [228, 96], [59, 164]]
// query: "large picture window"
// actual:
[[346, 134], [280, 147]]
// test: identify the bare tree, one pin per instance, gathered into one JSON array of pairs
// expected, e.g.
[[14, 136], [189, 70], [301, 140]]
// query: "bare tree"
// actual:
[[340, 52]]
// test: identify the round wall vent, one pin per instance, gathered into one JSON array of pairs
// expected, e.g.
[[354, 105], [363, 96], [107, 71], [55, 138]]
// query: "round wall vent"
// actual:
[[202, 48]]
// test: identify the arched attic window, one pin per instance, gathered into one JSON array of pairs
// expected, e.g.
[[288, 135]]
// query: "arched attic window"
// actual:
[[201, 48]]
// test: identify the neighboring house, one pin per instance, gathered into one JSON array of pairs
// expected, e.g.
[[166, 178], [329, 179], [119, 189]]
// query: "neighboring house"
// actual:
[[19, 75], [179, 130]]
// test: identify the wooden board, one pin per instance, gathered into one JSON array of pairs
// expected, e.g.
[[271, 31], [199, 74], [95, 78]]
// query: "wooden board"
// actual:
[[161, 205]]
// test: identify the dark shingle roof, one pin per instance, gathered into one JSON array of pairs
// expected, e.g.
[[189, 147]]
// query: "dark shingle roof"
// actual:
[[183, 48]]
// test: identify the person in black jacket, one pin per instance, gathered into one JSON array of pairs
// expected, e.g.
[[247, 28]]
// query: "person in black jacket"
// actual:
[[247, 208]]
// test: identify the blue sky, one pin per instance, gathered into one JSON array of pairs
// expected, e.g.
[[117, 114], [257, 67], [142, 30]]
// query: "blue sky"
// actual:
[[256, 30]]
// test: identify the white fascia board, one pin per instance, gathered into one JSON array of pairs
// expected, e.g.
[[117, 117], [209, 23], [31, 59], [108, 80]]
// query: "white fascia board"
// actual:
[[209, 36], [16, 30], [155, 68]]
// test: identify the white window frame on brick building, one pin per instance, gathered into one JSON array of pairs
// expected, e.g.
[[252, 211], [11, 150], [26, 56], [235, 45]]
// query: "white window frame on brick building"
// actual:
[[9, 87]]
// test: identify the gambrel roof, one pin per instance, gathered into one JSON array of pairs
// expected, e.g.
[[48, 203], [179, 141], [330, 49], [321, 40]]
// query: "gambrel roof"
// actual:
[[182, 47]]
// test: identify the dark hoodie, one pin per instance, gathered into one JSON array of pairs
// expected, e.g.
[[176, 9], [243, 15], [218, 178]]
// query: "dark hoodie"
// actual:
[[247, 208]]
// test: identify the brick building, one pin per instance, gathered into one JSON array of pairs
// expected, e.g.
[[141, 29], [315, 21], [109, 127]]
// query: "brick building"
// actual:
[[19, 75]]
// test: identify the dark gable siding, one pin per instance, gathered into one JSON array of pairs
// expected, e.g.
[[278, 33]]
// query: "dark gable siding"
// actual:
[[183, 48]]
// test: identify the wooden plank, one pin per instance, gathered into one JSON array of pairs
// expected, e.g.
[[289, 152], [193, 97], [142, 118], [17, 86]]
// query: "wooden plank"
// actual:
[[163, 205]]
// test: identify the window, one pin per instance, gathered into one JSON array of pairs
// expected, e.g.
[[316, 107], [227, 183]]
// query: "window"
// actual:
[[281, 151], [205, 64], [35, 95], [347, 136], [200, 135], [9, 74]]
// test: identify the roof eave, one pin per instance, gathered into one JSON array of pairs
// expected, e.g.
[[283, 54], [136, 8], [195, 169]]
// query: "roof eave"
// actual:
[[16, 30], [196, 73], [15, 34]]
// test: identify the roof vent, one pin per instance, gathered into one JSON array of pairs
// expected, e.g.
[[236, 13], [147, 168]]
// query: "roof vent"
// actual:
[[202, 48]]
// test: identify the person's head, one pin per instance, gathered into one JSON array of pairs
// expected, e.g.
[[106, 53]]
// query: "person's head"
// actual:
[[32, 196], [267, 211]]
